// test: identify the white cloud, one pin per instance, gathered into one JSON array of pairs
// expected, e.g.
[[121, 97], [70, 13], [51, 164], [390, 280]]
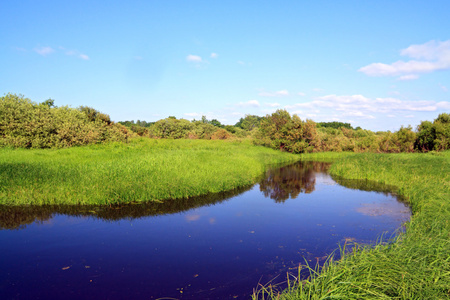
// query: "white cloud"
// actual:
[[241, 62], [443, 105], [273, 104], [358, 114], [194, 58], [361, 107], [76, 53], [408, 77], [193, 115], [443, 87], [301, 94], [281, 93], [429, 57], [214, 55], [44, 50], [253, 103], [317, 90]]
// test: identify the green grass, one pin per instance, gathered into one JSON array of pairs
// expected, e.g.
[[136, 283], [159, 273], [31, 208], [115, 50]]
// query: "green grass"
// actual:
[[417, 264], [143, 170]]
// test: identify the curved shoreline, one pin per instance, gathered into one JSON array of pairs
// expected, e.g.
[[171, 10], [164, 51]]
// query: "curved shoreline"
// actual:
[[143, 170], [417, 264]]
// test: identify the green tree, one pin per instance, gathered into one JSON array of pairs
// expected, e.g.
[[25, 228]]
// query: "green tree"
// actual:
[[281, 131]]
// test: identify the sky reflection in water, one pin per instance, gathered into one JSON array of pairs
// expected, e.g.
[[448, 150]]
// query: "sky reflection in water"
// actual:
[[214, 247]]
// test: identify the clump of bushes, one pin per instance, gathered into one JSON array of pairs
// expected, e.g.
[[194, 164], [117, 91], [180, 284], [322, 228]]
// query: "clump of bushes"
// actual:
[[27, 124], [173, 128], [434, 136], [283, 132], [289, 133]]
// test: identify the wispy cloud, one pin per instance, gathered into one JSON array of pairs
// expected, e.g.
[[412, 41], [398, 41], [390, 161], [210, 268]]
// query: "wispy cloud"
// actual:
[[194, 58], [44, 51], [251, 103], [214, 55], [364, 107], [408, 77], [83, 56], [193, 115], [274, 94], [425, 58], [273, 104], [76, 53], [301, 94]]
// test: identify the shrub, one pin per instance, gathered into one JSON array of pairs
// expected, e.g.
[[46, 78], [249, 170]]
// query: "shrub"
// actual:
[[281, 131], [26, 124]]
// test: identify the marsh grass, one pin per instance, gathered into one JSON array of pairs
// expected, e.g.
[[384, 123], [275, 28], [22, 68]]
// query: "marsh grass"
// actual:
[[142, 170], [417, 264]]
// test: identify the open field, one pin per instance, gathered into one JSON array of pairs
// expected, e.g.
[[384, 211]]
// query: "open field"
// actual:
[[142, 170], [417, 264]]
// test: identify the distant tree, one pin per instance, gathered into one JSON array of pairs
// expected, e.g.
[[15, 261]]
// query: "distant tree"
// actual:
[[249, 122], [335, 125], [216, 123], [49, 103]]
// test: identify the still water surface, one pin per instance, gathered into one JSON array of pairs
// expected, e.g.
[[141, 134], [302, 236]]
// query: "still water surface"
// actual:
[[215, 247]]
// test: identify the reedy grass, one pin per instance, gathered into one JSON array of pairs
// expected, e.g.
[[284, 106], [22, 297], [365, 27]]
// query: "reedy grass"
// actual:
[[143, 170], [417, 264]]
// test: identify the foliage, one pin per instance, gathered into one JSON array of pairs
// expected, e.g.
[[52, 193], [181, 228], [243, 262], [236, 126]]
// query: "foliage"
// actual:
[[138, 123], [249, 122], [283, 132], [335, 125], [434, 136], [27, 124]]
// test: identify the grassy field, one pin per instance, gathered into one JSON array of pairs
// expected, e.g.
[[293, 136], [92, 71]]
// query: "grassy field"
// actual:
[[417, 265], [142, 170]]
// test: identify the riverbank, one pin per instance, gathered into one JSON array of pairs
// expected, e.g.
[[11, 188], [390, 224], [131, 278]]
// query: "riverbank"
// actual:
[[142, 170], [417, 264]]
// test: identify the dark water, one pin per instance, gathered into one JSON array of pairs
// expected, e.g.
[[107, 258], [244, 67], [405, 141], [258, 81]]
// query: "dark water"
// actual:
[[214, 247]]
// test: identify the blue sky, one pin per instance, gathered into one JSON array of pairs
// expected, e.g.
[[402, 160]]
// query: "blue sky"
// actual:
[[375, 64]]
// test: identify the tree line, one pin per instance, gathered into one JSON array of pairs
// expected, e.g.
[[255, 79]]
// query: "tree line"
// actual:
[[27, 124]]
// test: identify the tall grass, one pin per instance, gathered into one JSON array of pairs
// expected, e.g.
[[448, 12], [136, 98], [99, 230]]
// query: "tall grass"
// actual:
[[417, 264], [143, 170]]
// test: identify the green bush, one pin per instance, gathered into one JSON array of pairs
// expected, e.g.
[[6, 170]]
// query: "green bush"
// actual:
[[26, 124], [434, 136], [283, 132]]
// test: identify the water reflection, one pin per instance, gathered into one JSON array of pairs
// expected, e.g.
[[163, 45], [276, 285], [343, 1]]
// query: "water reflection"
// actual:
[[214, 247], [289, 181], [18, 217], [279, 184]]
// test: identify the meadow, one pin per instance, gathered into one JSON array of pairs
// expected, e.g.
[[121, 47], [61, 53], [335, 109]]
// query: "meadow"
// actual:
[[141, 170], [417, 264]]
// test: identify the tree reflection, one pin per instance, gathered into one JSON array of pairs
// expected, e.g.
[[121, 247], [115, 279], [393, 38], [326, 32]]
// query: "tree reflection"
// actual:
[[18, 217], [287, 182]]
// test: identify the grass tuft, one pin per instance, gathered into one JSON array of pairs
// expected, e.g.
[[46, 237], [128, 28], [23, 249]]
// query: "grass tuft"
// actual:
[[142, 170]]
